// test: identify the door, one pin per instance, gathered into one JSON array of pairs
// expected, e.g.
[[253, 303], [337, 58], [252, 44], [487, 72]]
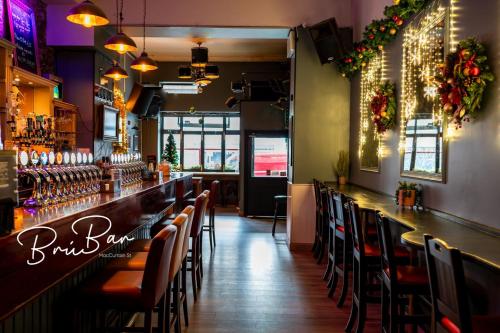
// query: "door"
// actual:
[[266, 164]]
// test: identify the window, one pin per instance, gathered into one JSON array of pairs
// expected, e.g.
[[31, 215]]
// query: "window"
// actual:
[[269, 157], [204, 143]]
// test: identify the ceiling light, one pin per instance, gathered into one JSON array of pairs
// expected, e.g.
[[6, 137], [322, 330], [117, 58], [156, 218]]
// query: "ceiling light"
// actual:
[[116, 72], [212, 72], [144, 63], [184, 72], [199, 56], [87, 14], [121, 43]]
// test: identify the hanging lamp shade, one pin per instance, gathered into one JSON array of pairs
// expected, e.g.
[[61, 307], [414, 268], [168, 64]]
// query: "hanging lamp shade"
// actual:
[[199, 56], [202, 82], [212, 72], [121, 43], [116, 73], [184, 72], [144, 63], [87, 14]]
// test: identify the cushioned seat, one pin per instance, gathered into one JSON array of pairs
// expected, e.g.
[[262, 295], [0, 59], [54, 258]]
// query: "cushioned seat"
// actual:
[[411, 275], [140, 245], [136, 262], [480, 324], [116, 287]]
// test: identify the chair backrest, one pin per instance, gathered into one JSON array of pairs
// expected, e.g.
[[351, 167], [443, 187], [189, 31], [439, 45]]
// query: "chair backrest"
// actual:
[[189, 211], [448, 289], [386, 247], [331, 207], [200, 205], [155, 280], [181, 222], [341, 213], [358, 239], [317, 194], [214, 191]]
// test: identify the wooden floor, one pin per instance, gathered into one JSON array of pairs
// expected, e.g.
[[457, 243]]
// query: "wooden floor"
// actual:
[[253, 283]]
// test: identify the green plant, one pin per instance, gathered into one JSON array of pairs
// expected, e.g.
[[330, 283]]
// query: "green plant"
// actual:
[[170, 152], [342, 169]]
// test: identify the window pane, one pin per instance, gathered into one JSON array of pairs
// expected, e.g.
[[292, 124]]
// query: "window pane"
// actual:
[[213, 152], [270, 157], [171, 123], [177, 139], [214, 124], [232, 123], [192, 124], [192, 152], [232, 159]]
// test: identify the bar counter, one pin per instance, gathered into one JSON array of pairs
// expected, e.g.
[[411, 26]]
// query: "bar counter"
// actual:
[[81, 232], [475, 244]]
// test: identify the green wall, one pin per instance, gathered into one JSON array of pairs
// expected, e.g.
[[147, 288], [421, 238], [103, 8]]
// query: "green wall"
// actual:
[[321, 114]]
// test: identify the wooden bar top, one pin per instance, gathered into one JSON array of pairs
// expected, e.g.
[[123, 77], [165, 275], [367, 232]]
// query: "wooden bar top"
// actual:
[[25, 218], [474, 244]]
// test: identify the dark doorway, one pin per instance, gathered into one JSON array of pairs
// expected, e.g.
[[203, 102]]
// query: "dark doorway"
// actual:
[[266, 165]]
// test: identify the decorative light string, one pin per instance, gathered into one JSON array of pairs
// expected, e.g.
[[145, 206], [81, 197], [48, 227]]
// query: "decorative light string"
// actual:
[[423, 54], [372, 76]]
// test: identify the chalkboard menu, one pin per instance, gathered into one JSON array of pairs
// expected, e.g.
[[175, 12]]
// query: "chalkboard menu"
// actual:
[[2, 19], [23, 34]]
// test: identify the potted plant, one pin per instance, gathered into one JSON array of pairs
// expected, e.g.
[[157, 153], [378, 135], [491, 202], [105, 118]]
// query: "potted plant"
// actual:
[[342, 169], [406, 194]]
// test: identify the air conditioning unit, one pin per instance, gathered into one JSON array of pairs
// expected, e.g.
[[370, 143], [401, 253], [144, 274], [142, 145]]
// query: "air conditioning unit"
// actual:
[[181, 88]]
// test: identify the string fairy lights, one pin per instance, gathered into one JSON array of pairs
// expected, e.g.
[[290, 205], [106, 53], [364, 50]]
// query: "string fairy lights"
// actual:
[[372, 76], [423, 54]]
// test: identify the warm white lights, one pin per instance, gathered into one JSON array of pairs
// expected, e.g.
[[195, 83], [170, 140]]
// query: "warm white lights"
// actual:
[[423, 54], [372, 76]]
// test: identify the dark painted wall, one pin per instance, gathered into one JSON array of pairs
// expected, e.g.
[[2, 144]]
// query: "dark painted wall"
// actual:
[[473, 179]]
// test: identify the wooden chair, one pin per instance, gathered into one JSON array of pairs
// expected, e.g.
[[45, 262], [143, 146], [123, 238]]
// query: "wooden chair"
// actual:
[[342, 248], [135, 290], [319, 213], [331, 234], [196, 259], [450, 306], [278, 200], [365, 265], [398, 283], [212, 200]]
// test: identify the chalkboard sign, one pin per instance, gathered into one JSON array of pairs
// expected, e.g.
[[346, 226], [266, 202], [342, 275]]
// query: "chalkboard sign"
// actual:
[[2, 19], [23, 35]]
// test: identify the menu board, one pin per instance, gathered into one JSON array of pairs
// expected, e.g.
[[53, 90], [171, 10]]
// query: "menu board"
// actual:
[[23, 34], [2, 19]]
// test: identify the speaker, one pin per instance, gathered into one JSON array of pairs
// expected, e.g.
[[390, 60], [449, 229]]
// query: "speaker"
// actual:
[[328, 40], [263, 91]]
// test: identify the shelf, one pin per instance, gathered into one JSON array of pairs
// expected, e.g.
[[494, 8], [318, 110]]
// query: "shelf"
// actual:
[[24, 78], [65, 106]]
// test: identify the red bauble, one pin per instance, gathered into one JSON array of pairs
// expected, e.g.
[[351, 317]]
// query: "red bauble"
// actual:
[[371, 36], [475, 71], [399, 22], [395, 18]]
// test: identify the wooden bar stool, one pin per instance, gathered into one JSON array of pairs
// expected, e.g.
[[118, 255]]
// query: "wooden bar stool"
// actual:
[[196, 260], [450, 306], [135, 290], [212, 200], [398, 283], [341, 247], [278, 200]]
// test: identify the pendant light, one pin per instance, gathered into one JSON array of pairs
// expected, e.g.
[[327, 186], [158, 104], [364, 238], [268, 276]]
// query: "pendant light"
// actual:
[[144, 63], [87, 14], [116, 72], [199, 56], [120, 42], [184, 72], [212, 72]]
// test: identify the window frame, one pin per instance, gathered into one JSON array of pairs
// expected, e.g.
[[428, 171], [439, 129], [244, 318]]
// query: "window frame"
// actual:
[[225, 131]]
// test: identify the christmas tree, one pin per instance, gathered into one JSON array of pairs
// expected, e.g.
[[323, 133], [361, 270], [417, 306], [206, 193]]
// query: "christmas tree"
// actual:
[[170, 152]]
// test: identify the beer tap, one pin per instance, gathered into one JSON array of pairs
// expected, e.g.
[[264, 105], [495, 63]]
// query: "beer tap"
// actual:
[[47, 181], [35, 200], [58, 187]]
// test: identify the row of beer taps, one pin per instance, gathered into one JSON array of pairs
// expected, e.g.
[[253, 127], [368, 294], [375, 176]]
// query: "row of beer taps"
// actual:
[[58, 178], [127, 167]]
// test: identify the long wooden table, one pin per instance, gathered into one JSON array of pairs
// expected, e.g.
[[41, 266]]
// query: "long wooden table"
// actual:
[[474, 244], [22, 281]]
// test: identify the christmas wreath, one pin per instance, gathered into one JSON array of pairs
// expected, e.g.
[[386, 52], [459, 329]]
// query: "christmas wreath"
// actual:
[[383, 106], [462, 81]]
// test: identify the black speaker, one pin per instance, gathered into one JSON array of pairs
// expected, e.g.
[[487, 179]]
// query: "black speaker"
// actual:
[[263, 91], [328, 40]]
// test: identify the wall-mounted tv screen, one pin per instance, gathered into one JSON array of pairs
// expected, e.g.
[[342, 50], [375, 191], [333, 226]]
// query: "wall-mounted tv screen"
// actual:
[[110, 123]]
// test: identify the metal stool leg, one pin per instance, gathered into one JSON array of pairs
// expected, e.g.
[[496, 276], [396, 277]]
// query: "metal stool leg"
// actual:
[[276, 205]]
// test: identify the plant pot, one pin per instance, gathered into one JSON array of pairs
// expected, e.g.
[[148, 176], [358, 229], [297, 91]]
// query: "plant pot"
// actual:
[[342, 180], [406, 198]]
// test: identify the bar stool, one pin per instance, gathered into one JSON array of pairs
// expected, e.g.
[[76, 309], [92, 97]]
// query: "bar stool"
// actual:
[[196, 260], [143, 245], [317, 196], [341, 247], [135, 290], [398, 281], [137, 262], [450, 307], [278, 200], [322, 224], [212, 200]]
